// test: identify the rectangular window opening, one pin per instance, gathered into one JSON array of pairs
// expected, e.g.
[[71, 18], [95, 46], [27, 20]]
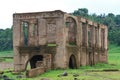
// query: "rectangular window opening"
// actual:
[[25, 33]]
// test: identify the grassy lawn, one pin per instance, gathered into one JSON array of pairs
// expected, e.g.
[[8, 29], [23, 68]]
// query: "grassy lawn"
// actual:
[[85, 73], [6, 53], [114, 55]]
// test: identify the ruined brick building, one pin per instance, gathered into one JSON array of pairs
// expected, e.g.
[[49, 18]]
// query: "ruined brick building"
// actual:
[[56, 39]]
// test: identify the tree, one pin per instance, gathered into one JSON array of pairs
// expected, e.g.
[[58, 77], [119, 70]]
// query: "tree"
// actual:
[[111, 20], [117, 20], [81, 12], [6, 41]]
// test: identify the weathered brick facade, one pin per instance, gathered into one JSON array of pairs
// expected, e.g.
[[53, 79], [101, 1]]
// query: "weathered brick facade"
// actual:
[[56, 39]]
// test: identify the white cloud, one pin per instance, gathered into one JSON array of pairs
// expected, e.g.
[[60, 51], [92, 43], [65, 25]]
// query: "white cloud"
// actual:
[[8, 7]]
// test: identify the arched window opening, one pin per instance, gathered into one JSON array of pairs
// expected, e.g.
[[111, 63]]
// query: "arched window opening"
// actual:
[[72, 30]]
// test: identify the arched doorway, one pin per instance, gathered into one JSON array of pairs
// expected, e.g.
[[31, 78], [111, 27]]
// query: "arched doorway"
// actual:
[[72, 62], [34, 59]]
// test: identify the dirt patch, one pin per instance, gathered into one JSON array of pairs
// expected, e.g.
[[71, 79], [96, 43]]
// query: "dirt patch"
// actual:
[[6, 65]]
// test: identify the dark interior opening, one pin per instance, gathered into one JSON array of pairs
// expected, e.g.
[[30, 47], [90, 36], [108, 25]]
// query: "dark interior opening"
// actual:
[[89, 39], [90, 58], [25, 32], [34, 59], [72, 62]]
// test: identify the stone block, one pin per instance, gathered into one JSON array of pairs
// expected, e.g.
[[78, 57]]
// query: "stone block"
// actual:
[[35, 72]]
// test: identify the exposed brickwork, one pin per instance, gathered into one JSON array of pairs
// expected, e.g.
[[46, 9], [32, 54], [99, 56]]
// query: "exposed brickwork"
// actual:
[[56, 39]]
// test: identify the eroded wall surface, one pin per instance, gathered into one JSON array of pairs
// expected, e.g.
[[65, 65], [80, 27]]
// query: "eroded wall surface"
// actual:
[[56, 39]]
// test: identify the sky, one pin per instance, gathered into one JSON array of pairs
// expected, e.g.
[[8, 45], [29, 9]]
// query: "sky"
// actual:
[[8, 7]]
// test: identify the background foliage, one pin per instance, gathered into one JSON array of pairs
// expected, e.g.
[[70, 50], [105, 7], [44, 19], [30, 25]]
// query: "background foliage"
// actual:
[[111, 20], [6, 39]]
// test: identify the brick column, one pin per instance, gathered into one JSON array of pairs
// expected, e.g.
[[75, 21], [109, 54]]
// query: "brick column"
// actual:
[[85, 44], [16, 43], [106, 38], [106, 44], [99, 36]]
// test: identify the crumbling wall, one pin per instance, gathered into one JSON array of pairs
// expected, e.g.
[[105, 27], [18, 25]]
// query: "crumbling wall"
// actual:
[[62, 39]]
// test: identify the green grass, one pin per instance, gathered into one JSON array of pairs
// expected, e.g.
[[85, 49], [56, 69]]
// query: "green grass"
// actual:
[[6, 53], [51, 45], [113, 63], [114, 49], [84, 72], [114, 56]]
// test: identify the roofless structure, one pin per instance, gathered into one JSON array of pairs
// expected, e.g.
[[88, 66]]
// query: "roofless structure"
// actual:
[[56, 39]]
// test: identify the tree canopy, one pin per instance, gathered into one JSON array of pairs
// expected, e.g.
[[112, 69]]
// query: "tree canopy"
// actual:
[[6, 42], [111, 20]]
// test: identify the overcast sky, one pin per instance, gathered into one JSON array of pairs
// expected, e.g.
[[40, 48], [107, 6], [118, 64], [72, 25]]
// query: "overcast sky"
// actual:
[[8, 7]]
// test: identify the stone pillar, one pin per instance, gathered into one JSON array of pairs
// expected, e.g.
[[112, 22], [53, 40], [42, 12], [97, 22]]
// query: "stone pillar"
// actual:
[[106, 44], [88, 44], [96, 48], [99, 37], [85, 44], [93, 42], [16, 32], [47, 61], [21, 34], [23, 57], [16, 43], [42, 31], [92, 48], [99, 43], [31, 32], [79, 42], [106, 38], [61, 53], [18, 39], [103, 53]]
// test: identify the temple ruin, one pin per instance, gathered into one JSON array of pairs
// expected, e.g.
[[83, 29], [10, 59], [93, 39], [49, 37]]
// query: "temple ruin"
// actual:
[[55, 39]]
